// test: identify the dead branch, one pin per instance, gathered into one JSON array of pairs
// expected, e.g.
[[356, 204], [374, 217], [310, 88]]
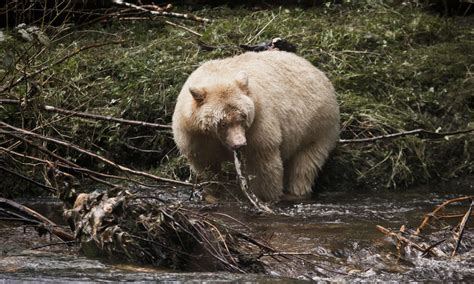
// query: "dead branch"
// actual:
[[92, 116], [70, 166], [91, 154], [156, 11], [458, 235], [57, 62], [243, 182], [428, 249], [20, 210], [59, 158], [44, 186], [162, 13], [139, 149], [183, 28], [420, 131], [429, 134]]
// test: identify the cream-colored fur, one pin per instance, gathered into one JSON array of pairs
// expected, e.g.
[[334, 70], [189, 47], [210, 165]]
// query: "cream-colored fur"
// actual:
[[285, 105]]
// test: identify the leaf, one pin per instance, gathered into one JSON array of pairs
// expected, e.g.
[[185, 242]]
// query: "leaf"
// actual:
[[25, 35], [42, 38]]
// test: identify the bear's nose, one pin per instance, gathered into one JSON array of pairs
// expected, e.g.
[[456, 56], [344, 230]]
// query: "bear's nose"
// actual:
[[239, 145], [235, 137]]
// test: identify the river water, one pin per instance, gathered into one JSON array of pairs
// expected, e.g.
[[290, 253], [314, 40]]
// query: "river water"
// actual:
[[336, 229]]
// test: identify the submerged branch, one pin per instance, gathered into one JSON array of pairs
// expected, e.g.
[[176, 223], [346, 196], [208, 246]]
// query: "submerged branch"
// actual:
[[18, 210], [429, 216], [420, 247], [445, 239]]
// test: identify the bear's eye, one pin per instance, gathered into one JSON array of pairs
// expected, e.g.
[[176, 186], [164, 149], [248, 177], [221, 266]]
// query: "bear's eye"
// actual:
[[222, 124]]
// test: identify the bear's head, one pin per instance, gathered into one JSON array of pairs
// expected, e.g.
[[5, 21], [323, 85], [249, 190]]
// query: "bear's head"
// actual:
[[224, 109]]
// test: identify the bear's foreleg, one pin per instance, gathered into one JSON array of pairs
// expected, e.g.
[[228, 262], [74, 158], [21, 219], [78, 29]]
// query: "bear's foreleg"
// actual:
[[303, 167], [266, 174]]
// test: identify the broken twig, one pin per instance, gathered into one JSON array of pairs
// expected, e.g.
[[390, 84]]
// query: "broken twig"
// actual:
[[243, 182]]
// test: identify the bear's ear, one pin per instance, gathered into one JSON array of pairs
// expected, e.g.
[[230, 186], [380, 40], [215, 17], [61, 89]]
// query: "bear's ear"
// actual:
[[199, 94], [242, 80]]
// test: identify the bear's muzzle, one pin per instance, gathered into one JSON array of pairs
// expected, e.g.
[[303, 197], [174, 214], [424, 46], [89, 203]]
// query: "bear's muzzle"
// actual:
[[235, 137]]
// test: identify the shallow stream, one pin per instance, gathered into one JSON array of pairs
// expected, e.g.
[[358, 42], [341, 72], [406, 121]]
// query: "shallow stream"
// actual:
[[339, 228]]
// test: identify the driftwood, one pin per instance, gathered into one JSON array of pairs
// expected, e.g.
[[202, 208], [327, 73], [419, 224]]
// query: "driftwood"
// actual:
[[16, 212], [153, 227], [161, 232]]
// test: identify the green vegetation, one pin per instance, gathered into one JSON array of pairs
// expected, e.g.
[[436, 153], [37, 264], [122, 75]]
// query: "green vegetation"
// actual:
[[394, 69]]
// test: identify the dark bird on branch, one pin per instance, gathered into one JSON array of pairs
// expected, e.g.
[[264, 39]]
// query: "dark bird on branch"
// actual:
[[275, 44]]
